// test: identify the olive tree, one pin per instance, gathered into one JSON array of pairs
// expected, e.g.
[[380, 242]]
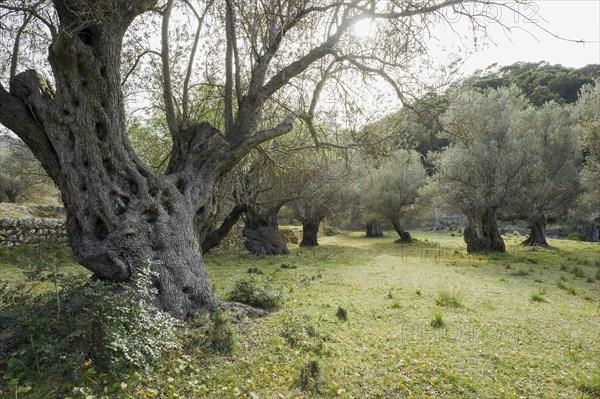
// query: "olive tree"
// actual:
[[554, 171], [68, 106], [587, 120], [485, 170], [393, 189], [325, 176]]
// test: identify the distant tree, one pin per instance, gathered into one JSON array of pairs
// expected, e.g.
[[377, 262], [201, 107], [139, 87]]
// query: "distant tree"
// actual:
[[485, 170], [325, 178], [587, 118], [539, 81], [554, 171], [393, 189], [20, 172]]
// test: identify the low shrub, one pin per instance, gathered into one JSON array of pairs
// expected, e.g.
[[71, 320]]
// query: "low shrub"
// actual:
[[250, 292], [82, 323]]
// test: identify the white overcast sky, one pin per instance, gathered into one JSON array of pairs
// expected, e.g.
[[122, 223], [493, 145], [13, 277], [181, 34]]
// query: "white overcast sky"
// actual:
[[573, 19]]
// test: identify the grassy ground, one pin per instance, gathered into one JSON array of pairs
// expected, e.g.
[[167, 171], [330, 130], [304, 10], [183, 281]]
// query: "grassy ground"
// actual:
[[422, 320]]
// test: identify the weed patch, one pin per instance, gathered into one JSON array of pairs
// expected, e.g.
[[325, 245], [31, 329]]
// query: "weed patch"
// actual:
[[535, 297], [448, 299], [438, 321]]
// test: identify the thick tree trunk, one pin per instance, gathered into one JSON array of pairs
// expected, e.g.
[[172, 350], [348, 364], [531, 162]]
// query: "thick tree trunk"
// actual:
[[310, 229], [262, 234], [591, 232], [215, 237], [482, 234], [374, 230], [537, 234], [119, 213], [404, 235]]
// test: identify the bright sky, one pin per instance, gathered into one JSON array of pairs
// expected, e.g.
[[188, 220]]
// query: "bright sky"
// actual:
[[573, 19]]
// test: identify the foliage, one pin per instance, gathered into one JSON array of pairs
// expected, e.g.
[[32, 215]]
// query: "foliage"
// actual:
[[390, 191], [20, 173], [78, 325], [587, 119], [250, 292], [539, 81]]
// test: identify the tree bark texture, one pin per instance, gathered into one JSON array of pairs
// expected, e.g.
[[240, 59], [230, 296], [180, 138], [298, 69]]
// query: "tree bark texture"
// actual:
[[310, 230], [261, 234], [482, 234], [374, 230], [537, 234], [404, 235]]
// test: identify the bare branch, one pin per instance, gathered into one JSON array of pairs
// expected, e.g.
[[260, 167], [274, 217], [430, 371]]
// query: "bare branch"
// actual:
[[166, 69]]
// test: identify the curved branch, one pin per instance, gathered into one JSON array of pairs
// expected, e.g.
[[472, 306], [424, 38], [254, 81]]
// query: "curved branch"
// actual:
[[137, 61]]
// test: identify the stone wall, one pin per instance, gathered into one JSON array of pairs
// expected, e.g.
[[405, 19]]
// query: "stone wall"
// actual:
[[30, 231]]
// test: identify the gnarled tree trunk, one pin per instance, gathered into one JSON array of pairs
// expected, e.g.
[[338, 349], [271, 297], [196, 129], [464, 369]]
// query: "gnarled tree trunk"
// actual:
[[374, 230], [119, 212], [404, 235], [482, 234], [262, 234], [310, 229], [537, 234]]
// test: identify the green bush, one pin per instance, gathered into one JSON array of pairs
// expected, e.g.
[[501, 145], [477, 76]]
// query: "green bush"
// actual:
[[81, 323], [248, 291]]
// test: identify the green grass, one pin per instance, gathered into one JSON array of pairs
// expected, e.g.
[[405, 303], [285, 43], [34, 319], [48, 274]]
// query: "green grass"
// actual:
[[499, 341]]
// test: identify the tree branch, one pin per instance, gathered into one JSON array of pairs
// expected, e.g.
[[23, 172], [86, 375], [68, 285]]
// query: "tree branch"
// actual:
[[166, 69], [17, 113]]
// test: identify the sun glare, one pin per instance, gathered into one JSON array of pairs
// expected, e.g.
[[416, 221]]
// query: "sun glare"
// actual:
[[364, 29]]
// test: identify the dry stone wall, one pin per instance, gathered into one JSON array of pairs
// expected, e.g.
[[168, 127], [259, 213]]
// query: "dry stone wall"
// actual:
[[21, 231]]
